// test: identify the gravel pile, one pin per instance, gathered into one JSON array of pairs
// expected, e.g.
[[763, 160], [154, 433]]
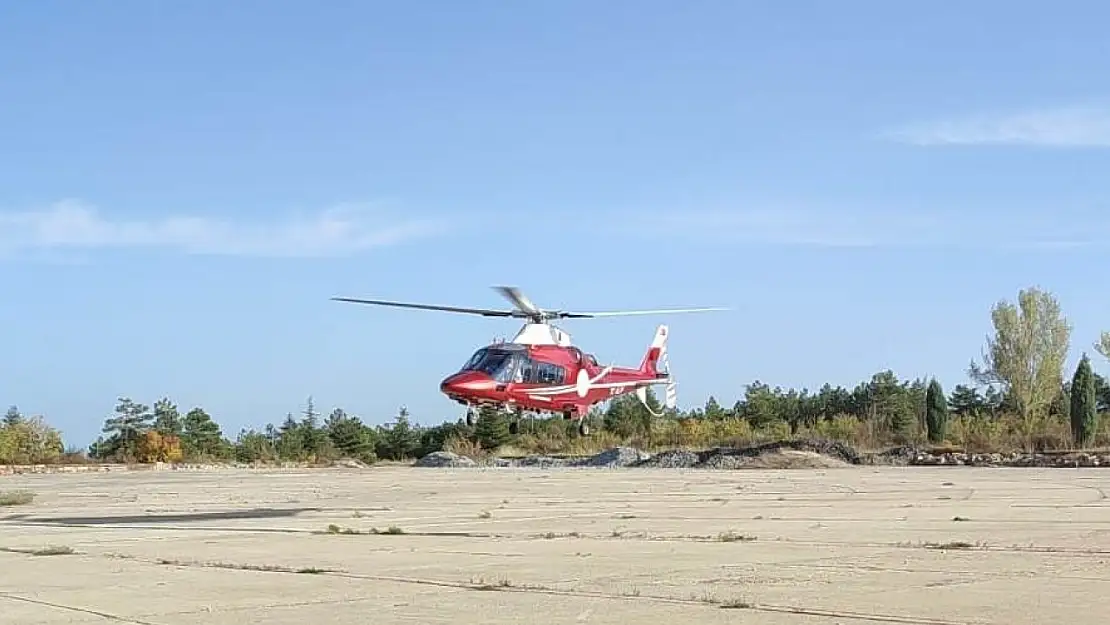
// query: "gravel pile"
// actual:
[[541, 462], [898, 456], [615, 457], [777, 459], [797, 454], [673, 459], [444, 460], [834, 449]]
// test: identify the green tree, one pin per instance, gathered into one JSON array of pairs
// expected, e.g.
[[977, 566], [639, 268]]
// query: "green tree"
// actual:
[[936, 412], [13, 417], [131, 421], [1084, 413], [314, 438], [1102, 390], [290, 441], [253, 446], [625, 416], [201, 436], [167, 419], [350, 436], [890, 401], [761, 404], [1027, 352], [492, 429], [400, 440]]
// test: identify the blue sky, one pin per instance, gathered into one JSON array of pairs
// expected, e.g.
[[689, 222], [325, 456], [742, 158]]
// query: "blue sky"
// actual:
[[183, 186]]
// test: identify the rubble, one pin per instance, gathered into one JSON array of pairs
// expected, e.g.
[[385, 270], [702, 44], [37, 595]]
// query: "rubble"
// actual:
[[797, 454], [443, 460], [615, 457]]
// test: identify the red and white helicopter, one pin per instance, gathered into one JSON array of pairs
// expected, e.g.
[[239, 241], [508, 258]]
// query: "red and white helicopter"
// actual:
[[540, 371]]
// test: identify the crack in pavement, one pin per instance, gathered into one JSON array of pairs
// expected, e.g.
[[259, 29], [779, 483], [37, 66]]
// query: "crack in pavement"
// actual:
[[80, 610], [545, 590]]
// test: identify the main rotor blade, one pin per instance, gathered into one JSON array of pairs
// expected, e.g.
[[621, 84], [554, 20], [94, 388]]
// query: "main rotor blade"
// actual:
[[622, 313], [474, 311], [518, 299]]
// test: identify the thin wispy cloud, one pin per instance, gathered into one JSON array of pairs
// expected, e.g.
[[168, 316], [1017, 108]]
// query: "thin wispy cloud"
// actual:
[[1065, 127], [341, 230], [792, 227]]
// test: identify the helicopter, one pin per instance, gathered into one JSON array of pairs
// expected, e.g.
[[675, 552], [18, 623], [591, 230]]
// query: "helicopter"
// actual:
[[540, 371]]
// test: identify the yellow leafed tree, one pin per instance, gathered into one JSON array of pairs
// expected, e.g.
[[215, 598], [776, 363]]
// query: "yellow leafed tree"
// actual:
[[154, 447]]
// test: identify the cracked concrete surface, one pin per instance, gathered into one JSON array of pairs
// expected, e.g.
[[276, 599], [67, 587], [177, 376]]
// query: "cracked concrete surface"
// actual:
[[854, 545]]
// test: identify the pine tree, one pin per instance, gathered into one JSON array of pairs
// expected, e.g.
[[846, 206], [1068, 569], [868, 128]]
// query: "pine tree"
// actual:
[[167, 419], [1084, 412], [131, 421], [400, 440], [13, 417], [349, 436], [492, 429], [936, 412], [201, 435]]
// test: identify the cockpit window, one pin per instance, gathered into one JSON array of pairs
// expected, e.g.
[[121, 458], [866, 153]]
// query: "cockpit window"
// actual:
[[497, 364]]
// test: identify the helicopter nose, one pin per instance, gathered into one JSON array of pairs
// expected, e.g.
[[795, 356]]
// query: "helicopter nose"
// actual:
[[467, 382]]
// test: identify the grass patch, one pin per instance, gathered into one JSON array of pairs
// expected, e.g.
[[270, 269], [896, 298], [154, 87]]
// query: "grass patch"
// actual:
[[50, 550], [954, 545], [16, 498], [733, 537], [481, 584], [54, 550], [264, 568]]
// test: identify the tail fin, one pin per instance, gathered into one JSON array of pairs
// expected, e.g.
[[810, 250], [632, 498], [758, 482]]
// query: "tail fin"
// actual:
[[656, 356], [656, 351]]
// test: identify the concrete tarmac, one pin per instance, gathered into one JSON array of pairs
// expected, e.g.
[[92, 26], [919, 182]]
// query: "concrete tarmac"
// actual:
[[394, 544]]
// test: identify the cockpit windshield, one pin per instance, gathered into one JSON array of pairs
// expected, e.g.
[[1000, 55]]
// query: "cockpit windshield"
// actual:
[[498, 364]]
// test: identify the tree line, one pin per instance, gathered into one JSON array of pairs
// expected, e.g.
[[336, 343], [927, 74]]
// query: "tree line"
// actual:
[[1018, 396]]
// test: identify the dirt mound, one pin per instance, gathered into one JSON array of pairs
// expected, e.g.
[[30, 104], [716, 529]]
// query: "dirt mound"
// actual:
[[777, 459]]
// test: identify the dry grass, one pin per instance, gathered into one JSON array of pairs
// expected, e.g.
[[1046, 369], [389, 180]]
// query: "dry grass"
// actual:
[[970, 434]]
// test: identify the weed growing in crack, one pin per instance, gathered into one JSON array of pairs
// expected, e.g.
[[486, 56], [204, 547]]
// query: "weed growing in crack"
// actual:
[[481, 584], [58, 550], [954, 545], [732, 537], [16, 498], [50, 550]]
